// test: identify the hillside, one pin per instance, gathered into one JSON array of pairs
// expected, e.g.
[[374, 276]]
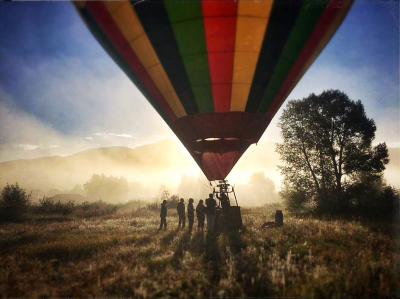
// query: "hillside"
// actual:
[[153, 164], [145, 163]]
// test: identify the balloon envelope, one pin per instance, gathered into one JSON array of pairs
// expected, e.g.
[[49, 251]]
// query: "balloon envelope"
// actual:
[[215, 71]]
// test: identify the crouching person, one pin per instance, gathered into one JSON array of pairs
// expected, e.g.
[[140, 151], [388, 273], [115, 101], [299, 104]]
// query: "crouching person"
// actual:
[[163, 215], [190, 213]]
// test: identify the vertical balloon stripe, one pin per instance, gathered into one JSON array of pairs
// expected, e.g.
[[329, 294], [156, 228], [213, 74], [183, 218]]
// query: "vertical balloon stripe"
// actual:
[[104, 20], [154, 19], [250, 30], [302, 30], [219, 19], [187, 23], [109, 47], [281, 21], [323, 32], [129, 25]]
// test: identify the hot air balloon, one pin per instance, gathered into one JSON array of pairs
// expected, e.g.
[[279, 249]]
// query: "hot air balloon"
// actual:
[[215, 71]]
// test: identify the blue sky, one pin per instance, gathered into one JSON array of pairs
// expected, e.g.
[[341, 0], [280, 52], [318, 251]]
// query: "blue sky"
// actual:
[[60, 93]]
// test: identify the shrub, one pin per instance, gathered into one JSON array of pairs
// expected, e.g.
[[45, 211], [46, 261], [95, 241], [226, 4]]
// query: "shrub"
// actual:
[[376, 200], [14, 202], [94, 209], [297, 202]]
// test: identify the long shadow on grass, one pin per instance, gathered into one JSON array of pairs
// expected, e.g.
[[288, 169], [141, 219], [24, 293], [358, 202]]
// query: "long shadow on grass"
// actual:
[[9, 241], [167, 239], [67, 252], [212, 257], [181, 247], [235, 241]]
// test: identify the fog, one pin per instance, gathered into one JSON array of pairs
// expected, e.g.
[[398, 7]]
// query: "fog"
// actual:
[[150, 169]]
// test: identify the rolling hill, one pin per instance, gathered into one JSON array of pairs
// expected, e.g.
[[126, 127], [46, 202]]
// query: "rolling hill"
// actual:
[[152, 165]]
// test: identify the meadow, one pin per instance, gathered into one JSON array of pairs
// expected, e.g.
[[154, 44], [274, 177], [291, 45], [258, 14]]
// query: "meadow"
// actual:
[[124, 255]]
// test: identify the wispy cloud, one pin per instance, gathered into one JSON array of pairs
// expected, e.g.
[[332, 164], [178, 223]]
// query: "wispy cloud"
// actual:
[[108, 135], [29, 147]]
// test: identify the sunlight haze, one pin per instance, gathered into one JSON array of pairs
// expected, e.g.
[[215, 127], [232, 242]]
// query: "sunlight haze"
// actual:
[[61, 94]]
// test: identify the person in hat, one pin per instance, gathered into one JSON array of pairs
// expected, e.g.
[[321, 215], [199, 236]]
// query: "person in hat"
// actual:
[[181, 213], [225, 203], [190, 213]]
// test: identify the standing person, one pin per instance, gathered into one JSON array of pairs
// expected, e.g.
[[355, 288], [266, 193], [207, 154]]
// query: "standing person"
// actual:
[[163, 215], [225, 203], [200, 213], [190, 213], [181, 213], [210, 212]]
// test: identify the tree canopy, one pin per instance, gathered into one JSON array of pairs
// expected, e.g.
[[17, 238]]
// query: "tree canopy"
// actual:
[[107, 188], [327, 147], [14, 202]]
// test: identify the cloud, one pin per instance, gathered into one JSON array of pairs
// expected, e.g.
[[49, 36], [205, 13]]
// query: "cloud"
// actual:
[[71, 94], [23, 135], [62, 101], [29, 147], [108, 135], [124, 135]]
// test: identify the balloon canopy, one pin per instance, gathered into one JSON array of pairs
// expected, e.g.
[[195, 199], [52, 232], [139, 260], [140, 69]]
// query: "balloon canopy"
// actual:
[[215, 71]]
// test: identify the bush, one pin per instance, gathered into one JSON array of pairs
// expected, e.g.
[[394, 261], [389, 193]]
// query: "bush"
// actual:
[[49, 207], [377, 200], [14, 202], [173, 201], [94, 209], [297, 202]]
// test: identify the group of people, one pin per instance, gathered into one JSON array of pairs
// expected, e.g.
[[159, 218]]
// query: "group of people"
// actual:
[[203, 212]]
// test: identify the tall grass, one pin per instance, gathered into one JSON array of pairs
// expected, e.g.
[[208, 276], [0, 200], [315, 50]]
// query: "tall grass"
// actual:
[[126, 256]]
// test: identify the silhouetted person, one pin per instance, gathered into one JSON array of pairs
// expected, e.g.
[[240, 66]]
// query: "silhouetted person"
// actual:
[[181, 213], [210, 212], [163, 215], [225, 203], [200, 213], [190, 213]]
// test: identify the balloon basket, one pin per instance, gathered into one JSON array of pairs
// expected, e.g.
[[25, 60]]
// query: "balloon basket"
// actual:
[[228, 221], [227, 218]]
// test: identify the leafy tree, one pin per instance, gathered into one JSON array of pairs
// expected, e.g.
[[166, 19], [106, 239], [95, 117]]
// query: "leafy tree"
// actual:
[[263, 187], [371, 196], [327, 141], [172, 200], [14, 202], [107, 188]]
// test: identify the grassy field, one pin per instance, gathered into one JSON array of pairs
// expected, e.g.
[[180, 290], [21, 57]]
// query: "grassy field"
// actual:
[[125, 256]]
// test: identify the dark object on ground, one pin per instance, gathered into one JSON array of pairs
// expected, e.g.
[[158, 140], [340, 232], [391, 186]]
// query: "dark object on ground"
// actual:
[[279, 218]]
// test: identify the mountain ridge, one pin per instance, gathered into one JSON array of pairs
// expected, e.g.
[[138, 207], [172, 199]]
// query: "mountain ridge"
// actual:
[[156, 163]]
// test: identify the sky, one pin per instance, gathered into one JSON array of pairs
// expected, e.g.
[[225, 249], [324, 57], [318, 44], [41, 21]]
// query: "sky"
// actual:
[[60, 93]]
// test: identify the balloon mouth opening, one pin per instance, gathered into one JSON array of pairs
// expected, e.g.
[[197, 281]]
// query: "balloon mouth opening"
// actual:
[[218, 145], [216, 141], [217, 138]]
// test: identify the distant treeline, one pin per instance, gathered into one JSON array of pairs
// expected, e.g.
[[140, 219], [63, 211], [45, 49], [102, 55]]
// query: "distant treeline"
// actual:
[[16, 206]]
